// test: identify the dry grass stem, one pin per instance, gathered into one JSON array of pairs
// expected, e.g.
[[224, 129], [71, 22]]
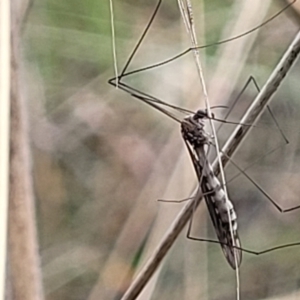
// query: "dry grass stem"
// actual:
[[24, 262]]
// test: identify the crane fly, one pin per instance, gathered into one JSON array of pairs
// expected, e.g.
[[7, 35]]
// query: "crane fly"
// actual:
[[196, 140], [193, 133], [208, 185]]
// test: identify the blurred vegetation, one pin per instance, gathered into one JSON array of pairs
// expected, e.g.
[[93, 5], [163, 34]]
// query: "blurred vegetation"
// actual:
[[101, 159]]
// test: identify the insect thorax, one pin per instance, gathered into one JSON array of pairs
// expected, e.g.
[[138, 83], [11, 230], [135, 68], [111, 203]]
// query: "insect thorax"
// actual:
[[192, 130]]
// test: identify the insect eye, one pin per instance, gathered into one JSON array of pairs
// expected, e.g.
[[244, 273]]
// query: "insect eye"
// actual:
[[200, 114]]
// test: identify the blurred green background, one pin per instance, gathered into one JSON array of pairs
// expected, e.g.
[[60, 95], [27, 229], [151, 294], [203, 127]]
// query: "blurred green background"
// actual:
[[101, 159]]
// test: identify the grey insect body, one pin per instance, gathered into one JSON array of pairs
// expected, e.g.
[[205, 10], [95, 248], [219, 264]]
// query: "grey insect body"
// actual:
[[192, 128]]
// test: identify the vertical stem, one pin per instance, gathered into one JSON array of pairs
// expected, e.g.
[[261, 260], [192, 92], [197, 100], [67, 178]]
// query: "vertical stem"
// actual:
[[24, 263], [4, 134]]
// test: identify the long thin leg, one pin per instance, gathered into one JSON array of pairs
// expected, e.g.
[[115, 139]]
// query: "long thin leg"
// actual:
[[181, 200], [278, 207], [117, 81], [159, 64], [241, 248], [251, 79]]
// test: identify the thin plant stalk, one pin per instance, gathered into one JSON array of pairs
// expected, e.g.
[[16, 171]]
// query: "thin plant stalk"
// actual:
[[24, 263], [4, 134]]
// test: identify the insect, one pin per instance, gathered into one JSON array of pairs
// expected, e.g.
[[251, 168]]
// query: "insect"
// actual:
[[220, 208], [201, 168]]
